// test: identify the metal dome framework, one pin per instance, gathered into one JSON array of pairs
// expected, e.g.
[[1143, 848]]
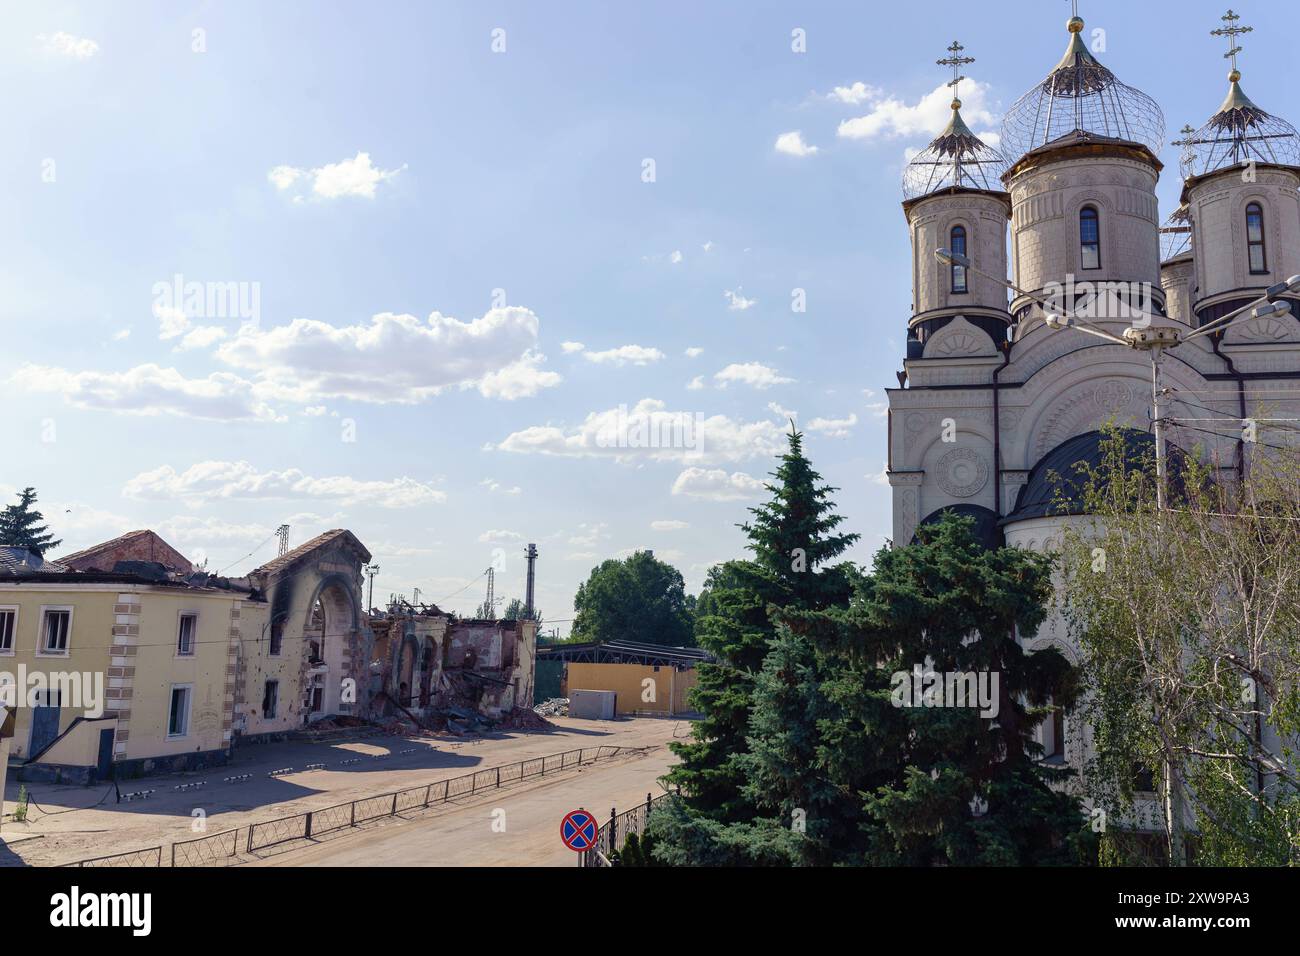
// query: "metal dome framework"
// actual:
[[1176, 234], [1081, 95], [956, 159], [1240, 133]]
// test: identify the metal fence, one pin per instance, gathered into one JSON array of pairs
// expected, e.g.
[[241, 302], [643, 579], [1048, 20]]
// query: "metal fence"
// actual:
[[617, 829], [134, 858], [208, 849], [304, 826]]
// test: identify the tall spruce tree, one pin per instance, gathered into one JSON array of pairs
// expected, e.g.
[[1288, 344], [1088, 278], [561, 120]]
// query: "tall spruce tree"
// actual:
[[936, 781], [21, 526], [793, 539]]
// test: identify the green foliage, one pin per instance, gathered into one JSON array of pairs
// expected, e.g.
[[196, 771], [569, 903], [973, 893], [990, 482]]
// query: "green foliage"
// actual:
[[21, 526], [791, 536], [888, 785], [515, 612], [637, 599], [1189, 619]]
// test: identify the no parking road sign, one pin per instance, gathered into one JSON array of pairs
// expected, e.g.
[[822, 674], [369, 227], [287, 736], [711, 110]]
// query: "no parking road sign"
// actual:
[[578, 830]]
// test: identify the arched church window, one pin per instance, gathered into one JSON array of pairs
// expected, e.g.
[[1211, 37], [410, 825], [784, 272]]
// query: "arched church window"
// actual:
[[1090, 237], [957, 243], [1255, 239]]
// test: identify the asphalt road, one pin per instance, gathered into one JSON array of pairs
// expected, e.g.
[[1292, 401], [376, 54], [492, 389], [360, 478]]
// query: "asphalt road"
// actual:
[[471, 834]]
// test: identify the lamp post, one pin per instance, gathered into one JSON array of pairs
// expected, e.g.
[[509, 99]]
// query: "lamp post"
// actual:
[[1154, 340]]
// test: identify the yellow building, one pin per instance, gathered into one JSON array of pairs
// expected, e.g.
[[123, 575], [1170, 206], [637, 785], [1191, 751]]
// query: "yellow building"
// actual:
[[646, 678], [108, 668]]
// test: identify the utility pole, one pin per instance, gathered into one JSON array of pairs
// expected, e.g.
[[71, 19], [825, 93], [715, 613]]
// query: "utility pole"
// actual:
[[282, 533], [490, 601], [370, 570], [530, 553]]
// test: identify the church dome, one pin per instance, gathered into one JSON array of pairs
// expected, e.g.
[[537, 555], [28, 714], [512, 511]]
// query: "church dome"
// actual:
[[1081, 100], [1239, 131], [955, 159]]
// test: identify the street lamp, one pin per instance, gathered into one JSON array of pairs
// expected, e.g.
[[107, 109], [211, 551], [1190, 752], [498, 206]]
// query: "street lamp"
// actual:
[[1154, 340]]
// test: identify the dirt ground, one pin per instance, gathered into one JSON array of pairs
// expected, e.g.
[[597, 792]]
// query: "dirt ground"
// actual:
[[71, 823]]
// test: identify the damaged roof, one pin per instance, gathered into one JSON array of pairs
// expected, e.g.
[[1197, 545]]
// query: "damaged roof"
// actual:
[[338, 535]]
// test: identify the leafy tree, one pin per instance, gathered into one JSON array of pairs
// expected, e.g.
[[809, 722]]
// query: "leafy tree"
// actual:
[[1189, 621], [793, 538], [515, 612], [21, 526], [639, 598]]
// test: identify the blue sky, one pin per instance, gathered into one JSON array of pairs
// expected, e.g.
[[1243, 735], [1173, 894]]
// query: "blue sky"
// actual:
[[363, 167]]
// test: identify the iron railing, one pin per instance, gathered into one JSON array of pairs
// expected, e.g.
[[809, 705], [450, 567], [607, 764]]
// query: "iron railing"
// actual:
[[305, 826], [619, 827]]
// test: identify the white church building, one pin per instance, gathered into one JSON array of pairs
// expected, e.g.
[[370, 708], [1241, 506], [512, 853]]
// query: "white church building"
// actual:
[[991, 399]]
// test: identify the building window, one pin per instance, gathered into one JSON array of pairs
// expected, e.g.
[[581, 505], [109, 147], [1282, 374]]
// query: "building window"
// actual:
[[1255, 239], [317, 699], [270, 699], [957, 244], [56, 627], [1056, 744], [277, 639], [178, 714], [8, 623], [1090, 237], [185, 637]]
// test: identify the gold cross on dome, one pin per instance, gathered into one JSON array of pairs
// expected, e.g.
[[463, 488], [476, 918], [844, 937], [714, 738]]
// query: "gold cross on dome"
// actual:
[[956, 61], [1231, 31]]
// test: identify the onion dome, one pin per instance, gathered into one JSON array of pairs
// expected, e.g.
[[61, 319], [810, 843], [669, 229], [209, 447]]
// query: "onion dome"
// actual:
[[957, 158], [1239, 131], [1082, 99]]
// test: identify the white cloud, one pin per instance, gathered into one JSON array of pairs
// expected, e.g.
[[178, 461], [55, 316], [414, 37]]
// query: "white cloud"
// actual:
[[879, 409], [694, 352], [349, 177], [152, 390], [716, 485], [394, 358], [833, 427], [625, 354], [589, 535], [881, 477], [753, 374], [172, 322], [499, 537], [239, 480], [65, 44], [568, 347], [494, 486], [708, 246], [675, 257], [201, 338], [669, 525], [695, 384], [780, 412], [855, 94], [650, 431], [736, 302], [890, 117], [121, 335], [792, 144]]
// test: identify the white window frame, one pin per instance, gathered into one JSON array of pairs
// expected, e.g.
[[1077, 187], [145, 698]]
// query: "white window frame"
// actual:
[[189, 706], [42, 633], [13, 634], [194, 637]]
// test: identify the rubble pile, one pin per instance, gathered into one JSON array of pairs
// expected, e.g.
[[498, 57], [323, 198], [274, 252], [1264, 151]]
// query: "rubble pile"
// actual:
[[553, 707]]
